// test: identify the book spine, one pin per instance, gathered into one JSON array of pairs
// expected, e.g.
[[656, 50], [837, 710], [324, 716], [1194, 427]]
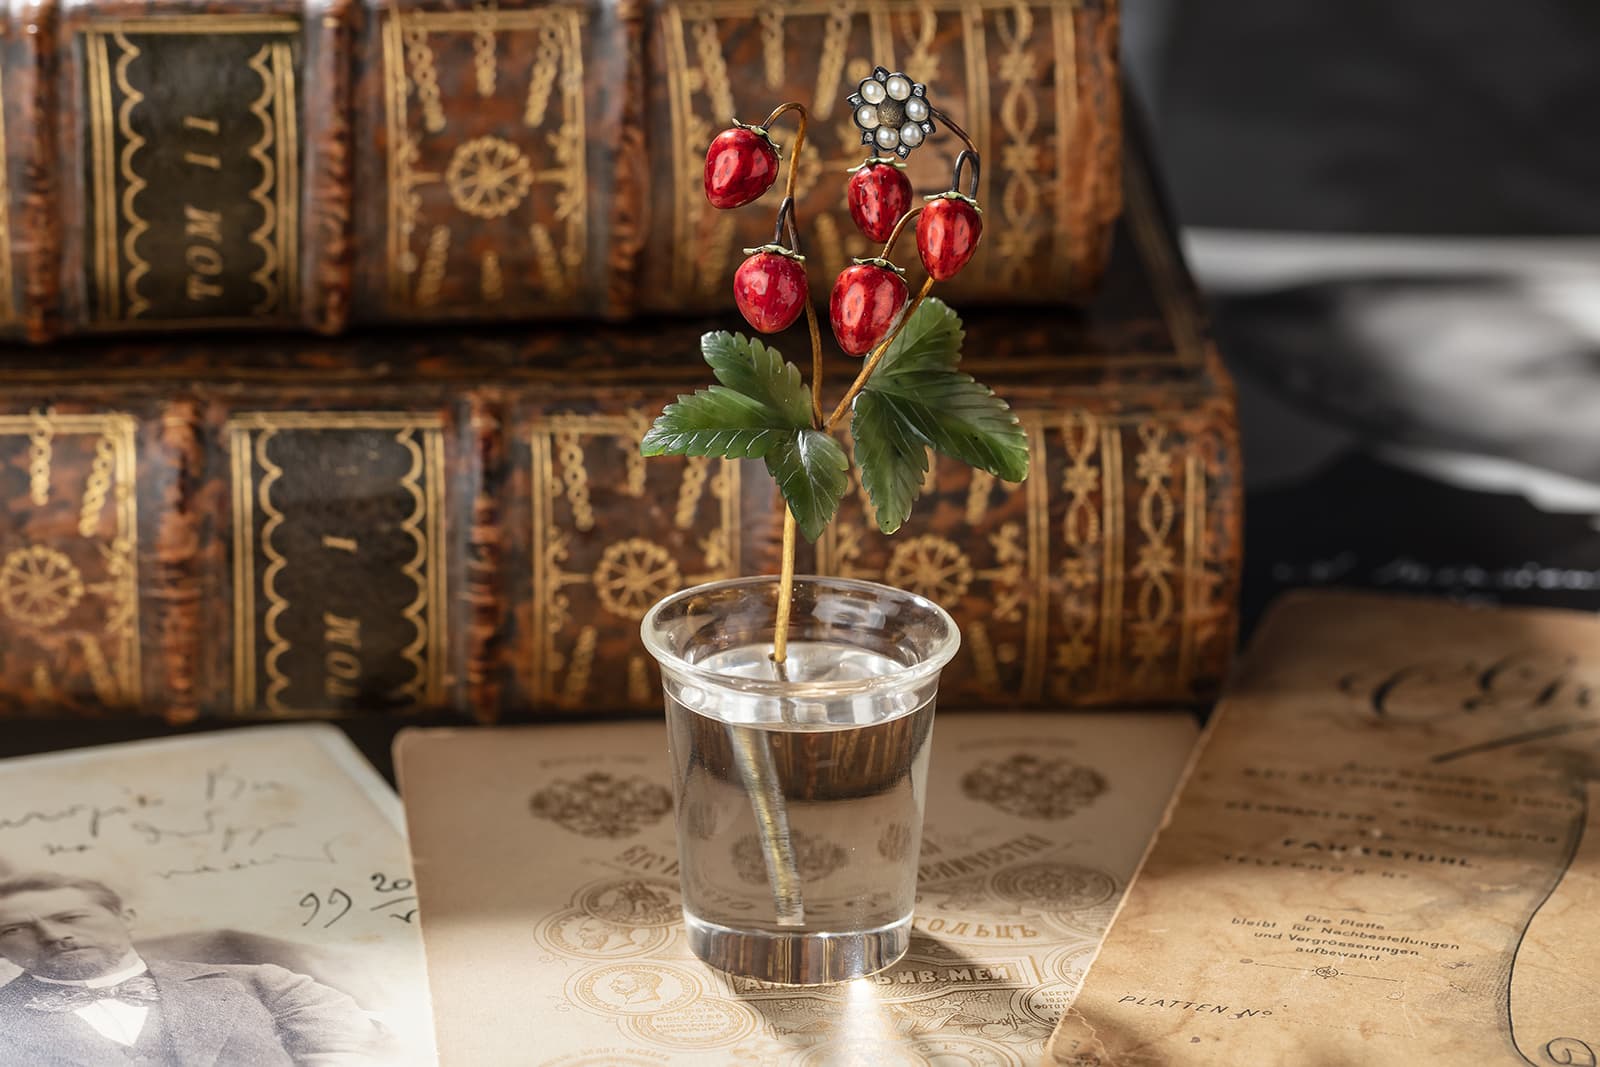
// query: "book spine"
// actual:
[[178, 164], [270, 548], [1034, 84]]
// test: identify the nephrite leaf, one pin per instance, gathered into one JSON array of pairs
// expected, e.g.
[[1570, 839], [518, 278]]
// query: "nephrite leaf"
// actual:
[[747, 366], [930, 341], [716, 422], [918, 390], [809, 467], [760, 403], [892, 457], [959, 417]]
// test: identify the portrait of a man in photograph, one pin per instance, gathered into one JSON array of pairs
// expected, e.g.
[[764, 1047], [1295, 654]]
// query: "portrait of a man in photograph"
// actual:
[[87, 995]]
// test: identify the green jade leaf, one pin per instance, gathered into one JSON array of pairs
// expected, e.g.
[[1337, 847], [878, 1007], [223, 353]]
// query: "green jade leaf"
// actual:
[[812, 474], [917, 399], [760, 410]]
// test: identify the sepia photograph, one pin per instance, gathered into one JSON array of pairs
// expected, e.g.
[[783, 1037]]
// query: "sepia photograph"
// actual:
[[240, 898], [87, 989]]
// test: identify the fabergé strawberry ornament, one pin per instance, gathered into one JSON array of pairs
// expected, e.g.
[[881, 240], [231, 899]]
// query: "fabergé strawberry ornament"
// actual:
[[877, 194], [866, 300], [741, 164], [909, 395], [949, 226], [770, 287]]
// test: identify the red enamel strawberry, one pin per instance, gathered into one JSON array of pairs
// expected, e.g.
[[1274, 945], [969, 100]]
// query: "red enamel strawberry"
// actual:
[[947, 234], [770, 288], [878, 194], [741, 164], [865, 300]]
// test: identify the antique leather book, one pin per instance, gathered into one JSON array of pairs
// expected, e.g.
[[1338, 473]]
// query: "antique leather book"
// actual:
[[314, 163], [461, 520]]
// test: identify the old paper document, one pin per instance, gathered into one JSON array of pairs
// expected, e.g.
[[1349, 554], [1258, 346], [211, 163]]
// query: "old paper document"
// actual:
[[1388, 851], [547, 866], [241, 896]]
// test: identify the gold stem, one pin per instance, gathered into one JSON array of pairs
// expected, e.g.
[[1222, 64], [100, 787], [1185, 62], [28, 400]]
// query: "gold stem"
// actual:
[[754, 759], [780, 632], [876, 357], [799, 138], [894, 234], [816, 365], [759, 773]]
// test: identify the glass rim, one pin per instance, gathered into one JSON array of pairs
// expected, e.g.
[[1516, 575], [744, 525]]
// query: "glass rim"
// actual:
[[911, 675]]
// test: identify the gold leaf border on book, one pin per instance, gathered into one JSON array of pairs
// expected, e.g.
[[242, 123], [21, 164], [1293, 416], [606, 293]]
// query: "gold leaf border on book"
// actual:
[[133, 185], [635, 554], [561, 30], [277, 153], [1064, 48], [249, 434], [417, 690], [8, 306], [111, 213], [118, 679]]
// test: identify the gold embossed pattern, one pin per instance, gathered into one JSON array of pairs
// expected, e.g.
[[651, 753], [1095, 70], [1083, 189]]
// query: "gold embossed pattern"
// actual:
[[8, 306], [593, 580], [485, 170], [69, 571], [1096, 579]]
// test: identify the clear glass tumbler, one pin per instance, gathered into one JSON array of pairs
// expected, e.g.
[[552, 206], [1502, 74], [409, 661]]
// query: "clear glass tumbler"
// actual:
[[799, 787]]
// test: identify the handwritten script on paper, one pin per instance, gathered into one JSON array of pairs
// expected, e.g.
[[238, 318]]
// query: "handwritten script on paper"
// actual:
[[575, 946], [211, 820], [274, 844], [1388, 850]]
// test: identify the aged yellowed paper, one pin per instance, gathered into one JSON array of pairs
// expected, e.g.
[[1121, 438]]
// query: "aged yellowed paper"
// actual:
[[1388, 851], [255, 881], [547, 866]]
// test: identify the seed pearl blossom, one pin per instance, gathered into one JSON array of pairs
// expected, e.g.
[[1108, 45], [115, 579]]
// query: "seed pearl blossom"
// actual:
[[892, 112]]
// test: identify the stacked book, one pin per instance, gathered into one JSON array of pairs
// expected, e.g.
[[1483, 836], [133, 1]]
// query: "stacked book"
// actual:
[[203, 524]]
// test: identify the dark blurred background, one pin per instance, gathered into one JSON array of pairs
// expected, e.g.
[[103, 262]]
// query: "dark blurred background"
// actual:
[[1394, 210]]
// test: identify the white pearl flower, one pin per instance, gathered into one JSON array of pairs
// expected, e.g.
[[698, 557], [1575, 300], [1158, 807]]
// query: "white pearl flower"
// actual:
[[892, 112]]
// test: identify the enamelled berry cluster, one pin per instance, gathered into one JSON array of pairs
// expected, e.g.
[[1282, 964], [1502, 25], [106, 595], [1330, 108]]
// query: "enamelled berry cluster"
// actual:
[[909, 396], [894, 116]]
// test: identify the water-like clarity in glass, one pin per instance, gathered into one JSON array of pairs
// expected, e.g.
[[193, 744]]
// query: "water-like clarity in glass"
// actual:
[[799, 788]]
